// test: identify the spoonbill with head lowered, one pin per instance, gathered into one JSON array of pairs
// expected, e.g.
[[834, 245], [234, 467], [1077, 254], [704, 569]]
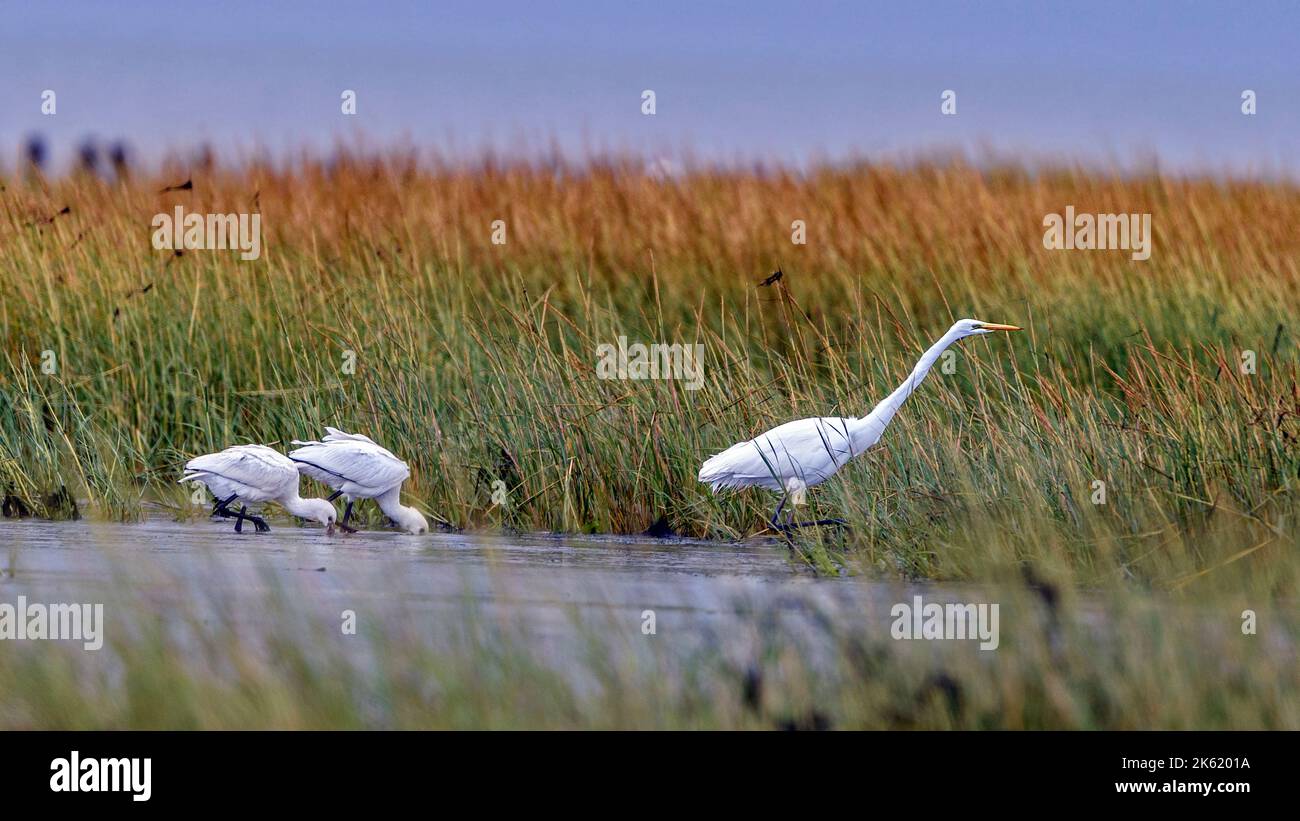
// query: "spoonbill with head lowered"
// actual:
[[798, 455], [252, 474], [358, 468]]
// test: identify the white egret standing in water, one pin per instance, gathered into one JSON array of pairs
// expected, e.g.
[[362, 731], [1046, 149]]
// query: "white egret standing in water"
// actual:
[[800, 454]]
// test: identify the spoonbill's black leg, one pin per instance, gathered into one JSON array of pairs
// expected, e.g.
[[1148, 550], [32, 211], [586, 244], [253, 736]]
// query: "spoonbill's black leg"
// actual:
[[343, 525], [219, 509], [347, 514], [259, 524], [223, 510]]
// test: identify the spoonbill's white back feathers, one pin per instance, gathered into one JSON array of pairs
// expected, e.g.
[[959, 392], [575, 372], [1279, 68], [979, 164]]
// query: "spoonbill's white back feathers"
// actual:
[[358, 467], [336, 435], [254, 473]]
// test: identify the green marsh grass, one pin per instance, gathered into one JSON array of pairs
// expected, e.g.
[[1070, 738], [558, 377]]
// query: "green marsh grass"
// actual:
[[477, 362]]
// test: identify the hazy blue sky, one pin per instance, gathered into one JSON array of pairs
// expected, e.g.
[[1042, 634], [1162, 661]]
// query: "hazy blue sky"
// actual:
[[784, 81]]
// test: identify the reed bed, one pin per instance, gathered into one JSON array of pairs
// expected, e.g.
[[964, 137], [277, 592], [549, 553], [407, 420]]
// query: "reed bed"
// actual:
[[477, 362]]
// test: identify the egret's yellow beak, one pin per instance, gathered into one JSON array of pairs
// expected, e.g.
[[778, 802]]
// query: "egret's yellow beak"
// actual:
[[991, 326]]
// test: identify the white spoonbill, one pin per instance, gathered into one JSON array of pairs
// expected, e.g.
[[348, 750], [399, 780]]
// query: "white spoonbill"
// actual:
[[358, 468], [800, 454], [255, 473]]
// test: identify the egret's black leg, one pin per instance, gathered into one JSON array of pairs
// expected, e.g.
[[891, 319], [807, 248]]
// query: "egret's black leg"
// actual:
[[260, 524], [817, 523], [789, 524], [239, 519], [333, 495], [776, 516]]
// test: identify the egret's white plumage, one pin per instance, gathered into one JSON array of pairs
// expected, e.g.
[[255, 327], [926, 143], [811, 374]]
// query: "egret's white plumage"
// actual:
[[359, 468], [807, 452], [254, 474]]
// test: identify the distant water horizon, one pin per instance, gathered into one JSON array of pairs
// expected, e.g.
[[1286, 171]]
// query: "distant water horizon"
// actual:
[[680, 162], [1113, 86]]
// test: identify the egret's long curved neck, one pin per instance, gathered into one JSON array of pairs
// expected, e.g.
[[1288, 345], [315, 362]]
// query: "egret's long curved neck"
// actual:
[[881, 415]]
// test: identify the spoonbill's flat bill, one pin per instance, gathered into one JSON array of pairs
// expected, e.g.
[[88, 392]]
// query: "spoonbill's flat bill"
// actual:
[[250, 474], [358, 468], [807, 452]]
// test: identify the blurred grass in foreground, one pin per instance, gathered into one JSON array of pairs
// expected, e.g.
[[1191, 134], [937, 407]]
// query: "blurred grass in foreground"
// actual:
[[213, 651]]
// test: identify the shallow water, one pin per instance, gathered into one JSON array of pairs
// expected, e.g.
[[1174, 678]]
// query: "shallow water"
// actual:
[[560, 587], [532, 572], [577, 606]]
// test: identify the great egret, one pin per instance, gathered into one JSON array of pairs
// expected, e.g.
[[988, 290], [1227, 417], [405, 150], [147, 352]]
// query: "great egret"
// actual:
[[358, 468], [800, 454], [255, 473]]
